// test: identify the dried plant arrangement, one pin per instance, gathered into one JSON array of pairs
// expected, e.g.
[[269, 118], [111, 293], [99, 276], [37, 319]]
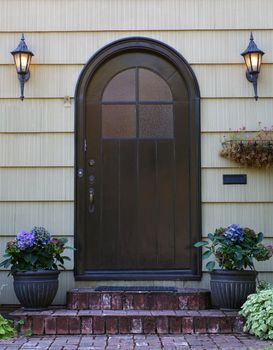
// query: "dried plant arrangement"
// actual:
[[250, 149]]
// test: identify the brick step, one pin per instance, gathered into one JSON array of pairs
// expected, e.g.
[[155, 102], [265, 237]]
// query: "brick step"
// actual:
[[181, 299], [64, 321]]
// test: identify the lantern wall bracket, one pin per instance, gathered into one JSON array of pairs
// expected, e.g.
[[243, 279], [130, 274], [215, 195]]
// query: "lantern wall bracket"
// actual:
[[23, 79], [253, 78]]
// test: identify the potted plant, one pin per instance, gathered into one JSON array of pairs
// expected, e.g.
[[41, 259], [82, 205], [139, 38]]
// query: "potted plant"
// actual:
[[34, 257], [252, 149], [233, 248]]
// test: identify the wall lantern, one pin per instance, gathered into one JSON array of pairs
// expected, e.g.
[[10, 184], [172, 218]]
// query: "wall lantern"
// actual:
[[253, 59], [22, 58]]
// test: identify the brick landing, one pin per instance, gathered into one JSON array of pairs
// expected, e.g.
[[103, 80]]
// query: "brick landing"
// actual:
[[64, 321], [137, 342], [182, 299]]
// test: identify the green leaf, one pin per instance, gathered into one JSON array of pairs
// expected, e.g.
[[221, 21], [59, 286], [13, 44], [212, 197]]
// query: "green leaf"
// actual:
[[206, 254], [200, 244], [28, 333], [6, 263], [260, 237], [21, 322], [210, 236], [66, 258], [210, 265]]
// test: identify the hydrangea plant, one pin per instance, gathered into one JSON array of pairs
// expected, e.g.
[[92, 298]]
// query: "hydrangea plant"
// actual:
[[35, 250], [234, 248]]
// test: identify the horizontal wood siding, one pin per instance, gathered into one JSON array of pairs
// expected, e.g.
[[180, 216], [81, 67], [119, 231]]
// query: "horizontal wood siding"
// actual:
[[232, 114], [198, 47], [36, 115], [255, 215], [37, 136], [57, 217], [259, 186], [37, 184], [76, 15], [50, 150]]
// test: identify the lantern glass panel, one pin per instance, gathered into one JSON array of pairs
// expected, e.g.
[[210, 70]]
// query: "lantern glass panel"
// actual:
[[24, 62], [248, 62], [17, 61], [255, 62]]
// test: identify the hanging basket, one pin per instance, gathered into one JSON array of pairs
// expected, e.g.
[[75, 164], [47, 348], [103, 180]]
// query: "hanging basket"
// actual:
[[257, 154]]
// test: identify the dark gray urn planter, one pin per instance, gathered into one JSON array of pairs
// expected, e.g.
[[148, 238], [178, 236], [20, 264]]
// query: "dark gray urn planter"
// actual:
[[36, 289], [230, 288]]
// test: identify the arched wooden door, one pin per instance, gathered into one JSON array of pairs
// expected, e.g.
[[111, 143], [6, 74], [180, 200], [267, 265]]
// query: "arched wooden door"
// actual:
[[137, 181]]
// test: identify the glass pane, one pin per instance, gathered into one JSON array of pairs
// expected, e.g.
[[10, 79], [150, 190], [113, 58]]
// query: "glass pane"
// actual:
[[152, 87], [121, 88], [118, 121], [156, 121]]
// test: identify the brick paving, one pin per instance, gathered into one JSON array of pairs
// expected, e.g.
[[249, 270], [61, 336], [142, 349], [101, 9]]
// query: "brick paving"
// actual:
[[137, 342]]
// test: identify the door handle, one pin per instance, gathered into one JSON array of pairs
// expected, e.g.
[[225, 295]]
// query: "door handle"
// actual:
[[91, 200], [91, 196]]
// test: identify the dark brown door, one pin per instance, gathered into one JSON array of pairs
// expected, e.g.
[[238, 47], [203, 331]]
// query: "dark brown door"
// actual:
[[137, 182]]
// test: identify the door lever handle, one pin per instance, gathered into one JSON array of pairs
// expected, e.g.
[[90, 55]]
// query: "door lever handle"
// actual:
[[91, 196]]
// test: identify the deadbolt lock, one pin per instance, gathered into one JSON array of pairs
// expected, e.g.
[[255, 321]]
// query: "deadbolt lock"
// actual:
[[80, 172], [91, 162]]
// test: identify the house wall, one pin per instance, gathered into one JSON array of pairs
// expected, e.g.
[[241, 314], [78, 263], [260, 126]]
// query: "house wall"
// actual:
[[37, 135]]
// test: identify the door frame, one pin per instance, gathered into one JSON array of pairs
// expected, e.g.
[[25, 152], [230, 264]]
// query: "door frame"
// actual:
[[155, 47]]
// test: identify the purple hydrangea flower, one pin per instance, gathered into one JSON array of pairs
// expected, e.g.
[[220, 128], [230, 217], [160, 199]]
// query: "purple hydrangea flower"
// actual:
[[235, 233], [25, 239]]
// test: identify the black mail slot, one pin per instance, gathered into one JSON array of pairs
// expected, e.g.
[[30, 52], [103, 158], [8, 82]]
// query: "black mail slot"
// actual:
[[234, 179]]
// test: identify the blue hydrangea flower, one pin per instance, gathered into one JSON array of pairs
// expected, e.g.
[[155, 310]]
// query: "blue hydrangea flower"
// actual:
[[235, 233], [25, 239], [42, 236]]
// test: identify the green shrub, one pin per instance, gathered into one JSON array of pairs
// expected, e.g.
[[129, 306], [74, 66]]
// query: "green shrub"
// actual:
[[6, 329], [258, 311]]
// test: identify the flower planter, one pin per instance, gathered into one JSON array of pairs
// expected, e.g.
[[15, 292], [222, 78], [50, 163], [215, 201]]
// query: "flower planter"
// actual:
[[230, 288], [256, 154], [36, 289]]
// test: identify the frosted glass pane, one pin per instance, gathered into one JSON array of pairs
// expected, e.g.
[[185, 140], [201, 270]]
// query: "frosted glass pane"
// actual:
[[152, 87], [156, 121], [121, 87], [118, 121]]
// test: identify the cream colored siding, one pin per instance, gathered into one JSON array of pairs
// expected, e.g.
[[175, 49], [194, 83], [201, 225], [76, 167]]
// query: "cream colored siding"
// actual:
[[37, 135], [57, 217], [259, 186], [255, 215], [77, 15], [198, 47], [55, 81], [36, 115], [232, 114], [50, 150], [37, 184]]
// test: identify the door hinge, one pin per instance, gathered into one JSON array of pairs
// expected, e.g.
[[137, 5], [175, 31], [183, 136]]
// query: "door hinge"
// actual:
[[84, 145]]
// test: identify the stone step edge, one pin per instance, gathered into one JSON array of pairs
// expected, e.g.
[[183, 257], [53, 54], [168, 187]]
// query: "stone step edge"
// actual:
[[64, 322], [90, 299]]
